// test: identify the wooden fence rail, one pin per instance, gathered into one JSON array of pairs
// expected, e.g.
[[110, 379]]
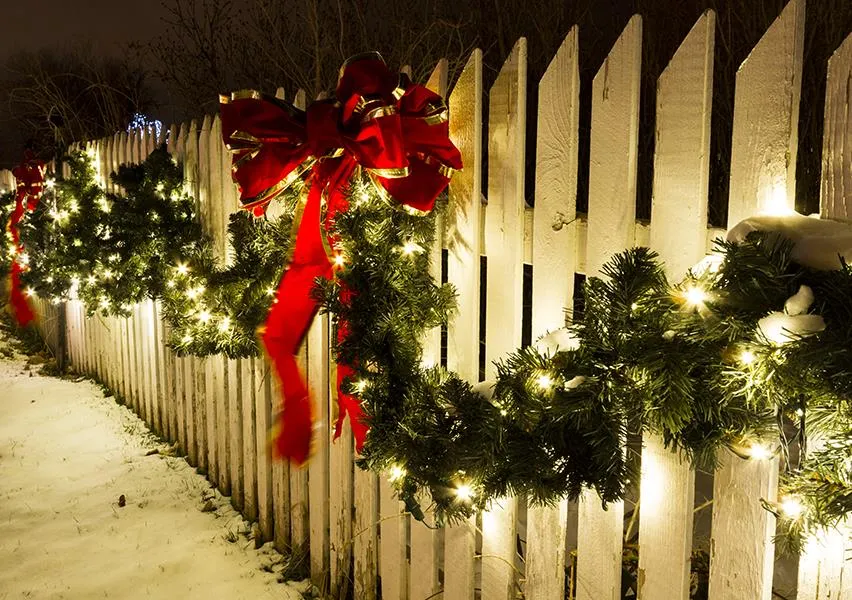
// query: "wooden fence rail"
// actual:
[[358, 536]]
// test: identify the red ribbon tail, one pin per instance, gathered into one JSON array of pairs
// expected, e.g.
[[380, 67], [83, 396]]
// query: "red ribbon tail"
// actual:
[[21, 309], [349, 405]]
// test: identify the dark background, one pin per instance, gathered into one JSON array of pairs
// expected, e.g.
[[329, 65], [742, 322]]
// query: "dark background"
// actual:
[[170, 60]]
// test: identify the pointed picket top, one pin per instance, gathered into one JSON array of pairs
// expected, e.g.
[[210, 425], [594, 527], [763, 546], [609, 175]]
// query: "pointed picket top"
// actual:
[[836, 185], [280, 94], [554, 236], [438, 79], [300, 100], [682, 151], [613, 149], [766, 118]]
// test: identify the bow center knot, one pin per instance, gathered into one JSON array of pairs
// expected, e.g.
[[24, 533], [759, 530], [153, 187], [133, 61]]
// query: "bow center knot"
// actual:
[[323, 129]]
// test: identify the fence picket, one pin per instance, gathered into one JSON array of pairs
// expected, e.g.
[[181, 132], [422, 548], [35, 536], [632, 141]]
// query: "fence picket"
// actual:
[[836, 185], [263, 415], [504, 246], [554, 264], [235, 432], [763, 167], [464, 246], [678, 229], [319, 467], [250, 435], [612, 215]]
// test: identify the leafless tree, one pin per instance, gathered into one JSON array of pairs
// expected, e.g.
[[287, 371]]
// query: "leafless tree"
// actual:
[[57, 96]]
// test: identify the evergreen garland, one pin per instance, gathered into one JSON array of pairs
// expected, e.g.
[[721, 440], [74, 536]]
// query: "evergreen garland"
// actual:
[[688, 362]]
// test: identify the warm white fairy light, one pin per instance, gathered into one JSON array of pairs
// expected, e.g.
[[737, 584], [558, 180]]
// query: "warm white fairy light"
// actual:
[[747, 357], [91, 280], [104, 302], [161, 186], [107, 274], [792, 507], [50, 183], [544, 381], [225, 325], [49, 279], [759, 451], [270, 291], [396, 472], [695, 296], [13, 249], [114, 257], [360, 386], [204, 316], [410, 248], [182, 268], [74, 207], [29, 291], [77, 242], [464, 492], [24, 259], [339, 260], [171, 283]]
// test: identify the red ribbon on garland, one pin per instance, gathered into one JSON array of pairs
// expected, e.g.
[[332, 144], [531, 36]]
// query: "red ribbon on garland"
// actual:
[[380, 122], [29, 179]]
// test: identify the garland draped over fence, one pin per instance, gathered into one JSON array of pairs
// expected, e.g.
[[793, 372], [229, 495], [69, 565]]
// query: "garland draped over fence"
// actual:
[[749, 352]]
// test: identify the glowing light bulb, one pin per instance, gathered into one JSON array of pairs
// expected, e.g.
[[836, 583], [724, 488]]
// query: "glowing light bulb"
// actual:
[[270, 291], [160, 187], [107, 274], [360, 386], [49, 279], [50, 183], [91, 280], [30, 291], [396, 473], [633, 307], [695, 296], [747, 357], [759, 451], [104, 302], [339, 260], [171, 283], [792, 507], [544, 381], [24, 259], [410, 248], [74, 206], [182, 268], [464, 492], [204, 316], [225, 325]]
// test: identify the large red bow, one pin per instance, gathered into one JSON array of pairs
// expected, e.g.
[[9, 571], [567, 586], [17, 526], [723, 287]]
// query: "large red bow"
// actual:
[[29, 179], [397, 132]]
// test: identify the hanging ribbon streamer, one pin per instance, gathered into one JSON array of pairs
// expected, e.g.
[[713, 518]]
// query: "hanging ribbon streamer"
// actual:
[[29, 179], [394, 130]]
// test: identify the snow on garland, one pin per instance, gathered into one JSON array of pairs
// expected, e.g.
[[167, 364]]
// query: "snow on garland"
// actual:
[[757, 338]]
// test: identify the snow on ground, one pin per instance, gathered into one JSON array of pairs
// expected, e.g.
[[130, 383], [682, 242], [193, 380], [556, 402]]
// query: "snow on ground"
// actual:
[[66, 456]]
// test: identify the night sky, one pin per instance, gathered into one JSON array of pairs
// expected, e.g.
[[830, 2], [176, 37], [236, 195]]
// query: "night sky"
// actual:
[[106, 24]]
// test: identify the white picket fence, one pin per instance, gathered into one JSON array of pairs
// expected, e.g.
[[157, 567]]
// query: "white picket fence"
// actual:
[[357, 534]]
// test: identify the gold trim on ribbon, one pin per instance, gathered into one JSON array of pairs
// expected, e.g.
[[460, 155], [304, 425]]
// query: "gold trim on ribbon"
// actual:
[[362, 56], [378, 112], [271, 192], [395, 173], [436, 118]]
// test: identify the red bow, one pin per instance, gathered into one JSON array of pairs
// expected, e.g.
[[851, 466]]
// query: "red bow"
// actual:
[[396, 131], [29, 178]]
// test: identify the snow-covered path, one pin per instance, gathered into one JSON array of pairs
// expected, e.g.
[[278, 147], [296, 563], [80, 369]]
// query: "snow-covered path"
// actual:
[[66, 456]]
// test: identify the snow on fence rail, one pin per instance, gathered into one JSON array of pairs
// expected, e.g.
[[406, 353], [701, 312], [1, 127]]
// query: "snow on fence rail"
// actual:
[[357, 535]]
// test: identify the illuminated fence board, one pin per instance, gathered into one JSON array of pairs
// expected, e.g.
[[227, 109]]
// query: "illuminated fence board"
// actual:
[[218, 411]]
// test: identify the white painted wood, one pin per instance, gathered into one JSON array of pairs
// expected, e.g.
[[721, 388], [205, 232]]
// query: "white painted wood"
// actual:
[[464, 244], [612, 211], [504, 244], [615, 130], [211, 383], [340, 504], [299, 524], [221, 395], [392, 545], [263, 416], [678, 226], [318, 467], [553, 258], [235, 432], [554, 236], [247, 387], [741, 550], [366, 543], [766, 118], [763, 167], [836, 185], [280, 482]]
